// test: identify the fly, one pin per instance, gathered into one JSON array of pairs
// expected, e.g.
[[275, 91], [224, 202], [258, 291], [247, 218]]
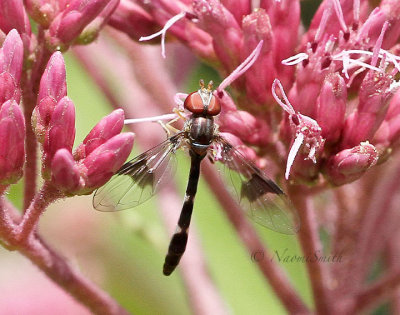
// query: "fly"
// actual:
[[139, 179]]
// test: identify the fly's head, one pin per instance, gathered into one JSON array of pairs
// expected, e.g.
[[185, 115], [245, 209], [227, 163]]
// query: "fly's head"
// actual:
[[202, 102]]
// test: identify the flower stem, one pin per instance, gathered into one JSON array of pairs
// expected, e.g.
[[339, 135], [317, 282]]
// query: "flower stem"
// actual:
[[7, 226], [372, 294], [311, 245], [56, 267], [272, 272], [30, 87], [377, 218], [31, 217], [30, 171], [60, 272]]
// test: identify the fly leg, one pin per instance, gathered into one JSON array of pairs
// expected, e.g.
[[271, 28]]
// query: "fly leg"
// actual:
[[168, 126]]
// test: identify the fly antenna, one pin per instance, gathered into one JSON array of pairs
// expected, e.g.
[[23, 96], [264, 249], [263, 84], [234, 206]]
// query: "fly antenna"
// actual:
[[210, 86], [201, 83]]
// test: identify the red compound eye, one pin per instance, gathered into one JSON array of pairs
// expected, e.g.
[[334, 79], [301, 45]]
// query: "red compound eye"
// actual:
[[195, 105], [214, 107]]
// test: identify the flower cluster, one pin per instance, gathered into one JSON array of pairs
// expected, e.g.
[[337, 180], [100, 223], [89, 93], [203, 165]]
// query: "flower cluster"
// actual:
[[62, 22], [12, 122], [53, 118], [35, 109], [95, 160], [349, 46]]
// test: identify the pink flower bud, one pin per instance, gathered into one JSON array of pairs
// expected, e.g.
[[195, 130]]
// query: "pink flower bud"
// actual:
[[13, 15], [41, 11], [242, 124], [306, 149], [389, 132], [60, 133], [245, 126], [238, 144], [371, 110], [388, 11], [333, 24], [12, 54], [215, 19], [307, 142], [64, 172], [67, 25], [310, 76], [331, 107], [8, 89], [105, 160], [350, 164], [92, 30], [53, 81], [227, 103], [256, 26], [305, 170], [238, 8], [11, 59], [133, 20], [284, 18], [53, 87], [12, 136], [107, 128], [303, 94], [175, 18]]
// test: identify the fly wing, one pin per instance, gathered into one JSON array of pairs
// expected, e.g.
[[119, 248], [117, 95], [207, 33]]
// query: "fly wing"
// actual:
[[262, 199], [140, 178]]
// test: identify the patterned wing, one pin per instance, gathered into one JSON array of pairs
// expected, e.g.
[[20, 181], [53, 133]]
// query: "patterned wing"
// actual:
[[259, 196], [140, 178]]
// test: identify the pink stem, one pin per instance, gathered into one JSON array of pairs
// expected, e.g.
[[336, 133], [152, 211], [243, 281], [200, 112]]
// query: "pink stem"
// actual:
[[55, 266], [392, 258], [341, 199], [60, 272], [38, 205], [343, 239], [150, 71], [30, 87], [7, 226], [376, 292], [381, 201], [272, 272], [30, 171], [311, 244]]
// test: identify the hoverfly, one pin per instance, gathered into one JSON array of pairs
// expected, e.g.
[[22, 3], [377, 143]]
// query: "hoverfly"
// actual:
[[139, 179]]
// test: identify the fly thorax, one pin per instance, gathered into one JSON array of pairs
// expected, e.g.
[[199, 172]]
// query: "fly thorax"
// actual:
[[201, 133]]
